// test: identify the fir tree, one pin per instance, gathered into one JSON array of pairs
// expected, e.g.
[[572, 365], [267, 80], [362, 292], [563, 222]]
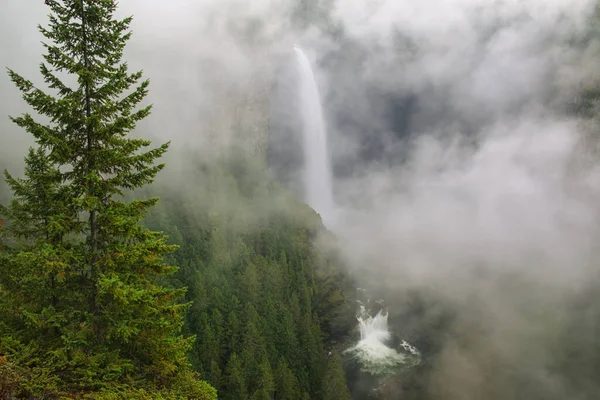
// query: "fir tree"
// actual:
[[86, 314], [265, 384], [334, 385], [286, 384], [234, 379]]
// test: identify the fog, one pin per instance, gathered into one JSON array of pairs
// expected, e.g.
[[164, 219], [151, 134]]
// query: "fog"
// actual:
[[492, 210], [480, 188]]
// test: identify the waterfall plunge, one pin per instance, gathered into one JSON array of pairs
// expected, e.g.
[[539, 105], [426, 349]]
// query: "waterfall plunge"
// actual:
[[374, 328], [317, 169], [372, 352]]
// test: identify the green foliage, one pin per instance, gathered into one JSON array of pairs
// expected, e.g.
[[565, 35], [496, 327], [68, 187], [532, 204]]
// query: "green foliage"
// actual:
[[268, 295], [236, 385], [335, 387], [187, 387], [286, 384], [82, 308], [9, 378]]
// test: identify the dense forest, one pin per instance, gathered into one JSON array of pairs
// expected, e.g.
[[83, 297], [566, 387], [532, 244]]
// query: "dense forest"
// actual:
[[271, 306], [91, 307], [127, 273]]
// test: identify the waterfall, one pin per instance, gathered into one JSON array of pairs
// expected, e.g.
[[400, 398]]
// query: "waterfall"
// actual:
[[372, 352], [374, 328], [317, 169]]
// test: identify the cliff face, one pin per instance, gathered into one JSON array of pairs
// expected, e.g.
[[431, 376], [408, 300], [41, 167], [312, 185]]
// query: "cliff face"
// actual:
[[237, 110], [285, 155], [251, 115]]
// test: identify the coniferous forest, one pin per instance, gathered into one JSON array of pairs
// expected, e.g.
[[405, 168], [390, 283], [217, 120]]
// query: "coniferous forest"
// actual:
[[97, 302], [153, 247]]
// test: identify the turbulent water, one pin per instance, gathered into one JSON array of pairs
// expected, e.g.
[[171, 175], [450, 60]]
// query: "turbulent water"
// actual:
[[372, 351], [317, 169]]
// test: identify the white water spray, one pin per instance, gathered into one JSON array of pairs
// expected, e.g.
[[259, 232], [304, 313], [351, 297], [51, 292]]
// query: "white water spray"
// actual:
[[372, 352], [374, 328], [317, 169]]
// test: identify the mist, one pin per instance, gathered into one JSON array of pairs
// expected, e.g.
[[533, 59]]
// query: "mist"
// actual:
[[460, 171], [486, 199]]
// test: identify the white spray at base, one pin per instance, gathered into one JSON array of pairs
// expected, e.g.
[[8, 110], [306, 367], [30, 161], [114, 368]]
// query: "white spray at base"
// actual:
[[317, 170], [372, 352]]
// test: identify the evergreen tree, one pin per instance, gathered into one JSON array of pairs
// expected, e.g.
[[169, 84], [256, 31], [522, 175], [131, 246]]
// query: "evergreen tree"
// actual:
[[286, 384], [216, 375], [234, 379], [265, 385], [334, 386], [85, 312]]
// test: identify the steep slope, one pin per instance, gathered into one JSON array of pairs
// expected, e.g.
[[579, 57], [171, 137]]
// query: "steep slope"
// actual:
[[270, 299]]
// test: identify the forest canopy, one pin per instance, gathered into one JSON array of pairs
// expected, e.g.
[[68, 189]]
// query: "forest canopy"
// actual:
[[91, 306]]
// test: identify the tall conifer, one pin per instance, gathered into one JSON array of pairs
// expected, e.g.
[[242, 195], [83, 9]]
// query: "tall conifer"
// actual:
[[79, 273], [335, 387]]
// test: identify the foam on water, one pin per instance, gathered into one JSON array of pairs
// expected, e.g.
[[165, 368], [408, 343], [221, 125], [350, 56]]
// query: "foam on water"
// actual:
[[372, 351]]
